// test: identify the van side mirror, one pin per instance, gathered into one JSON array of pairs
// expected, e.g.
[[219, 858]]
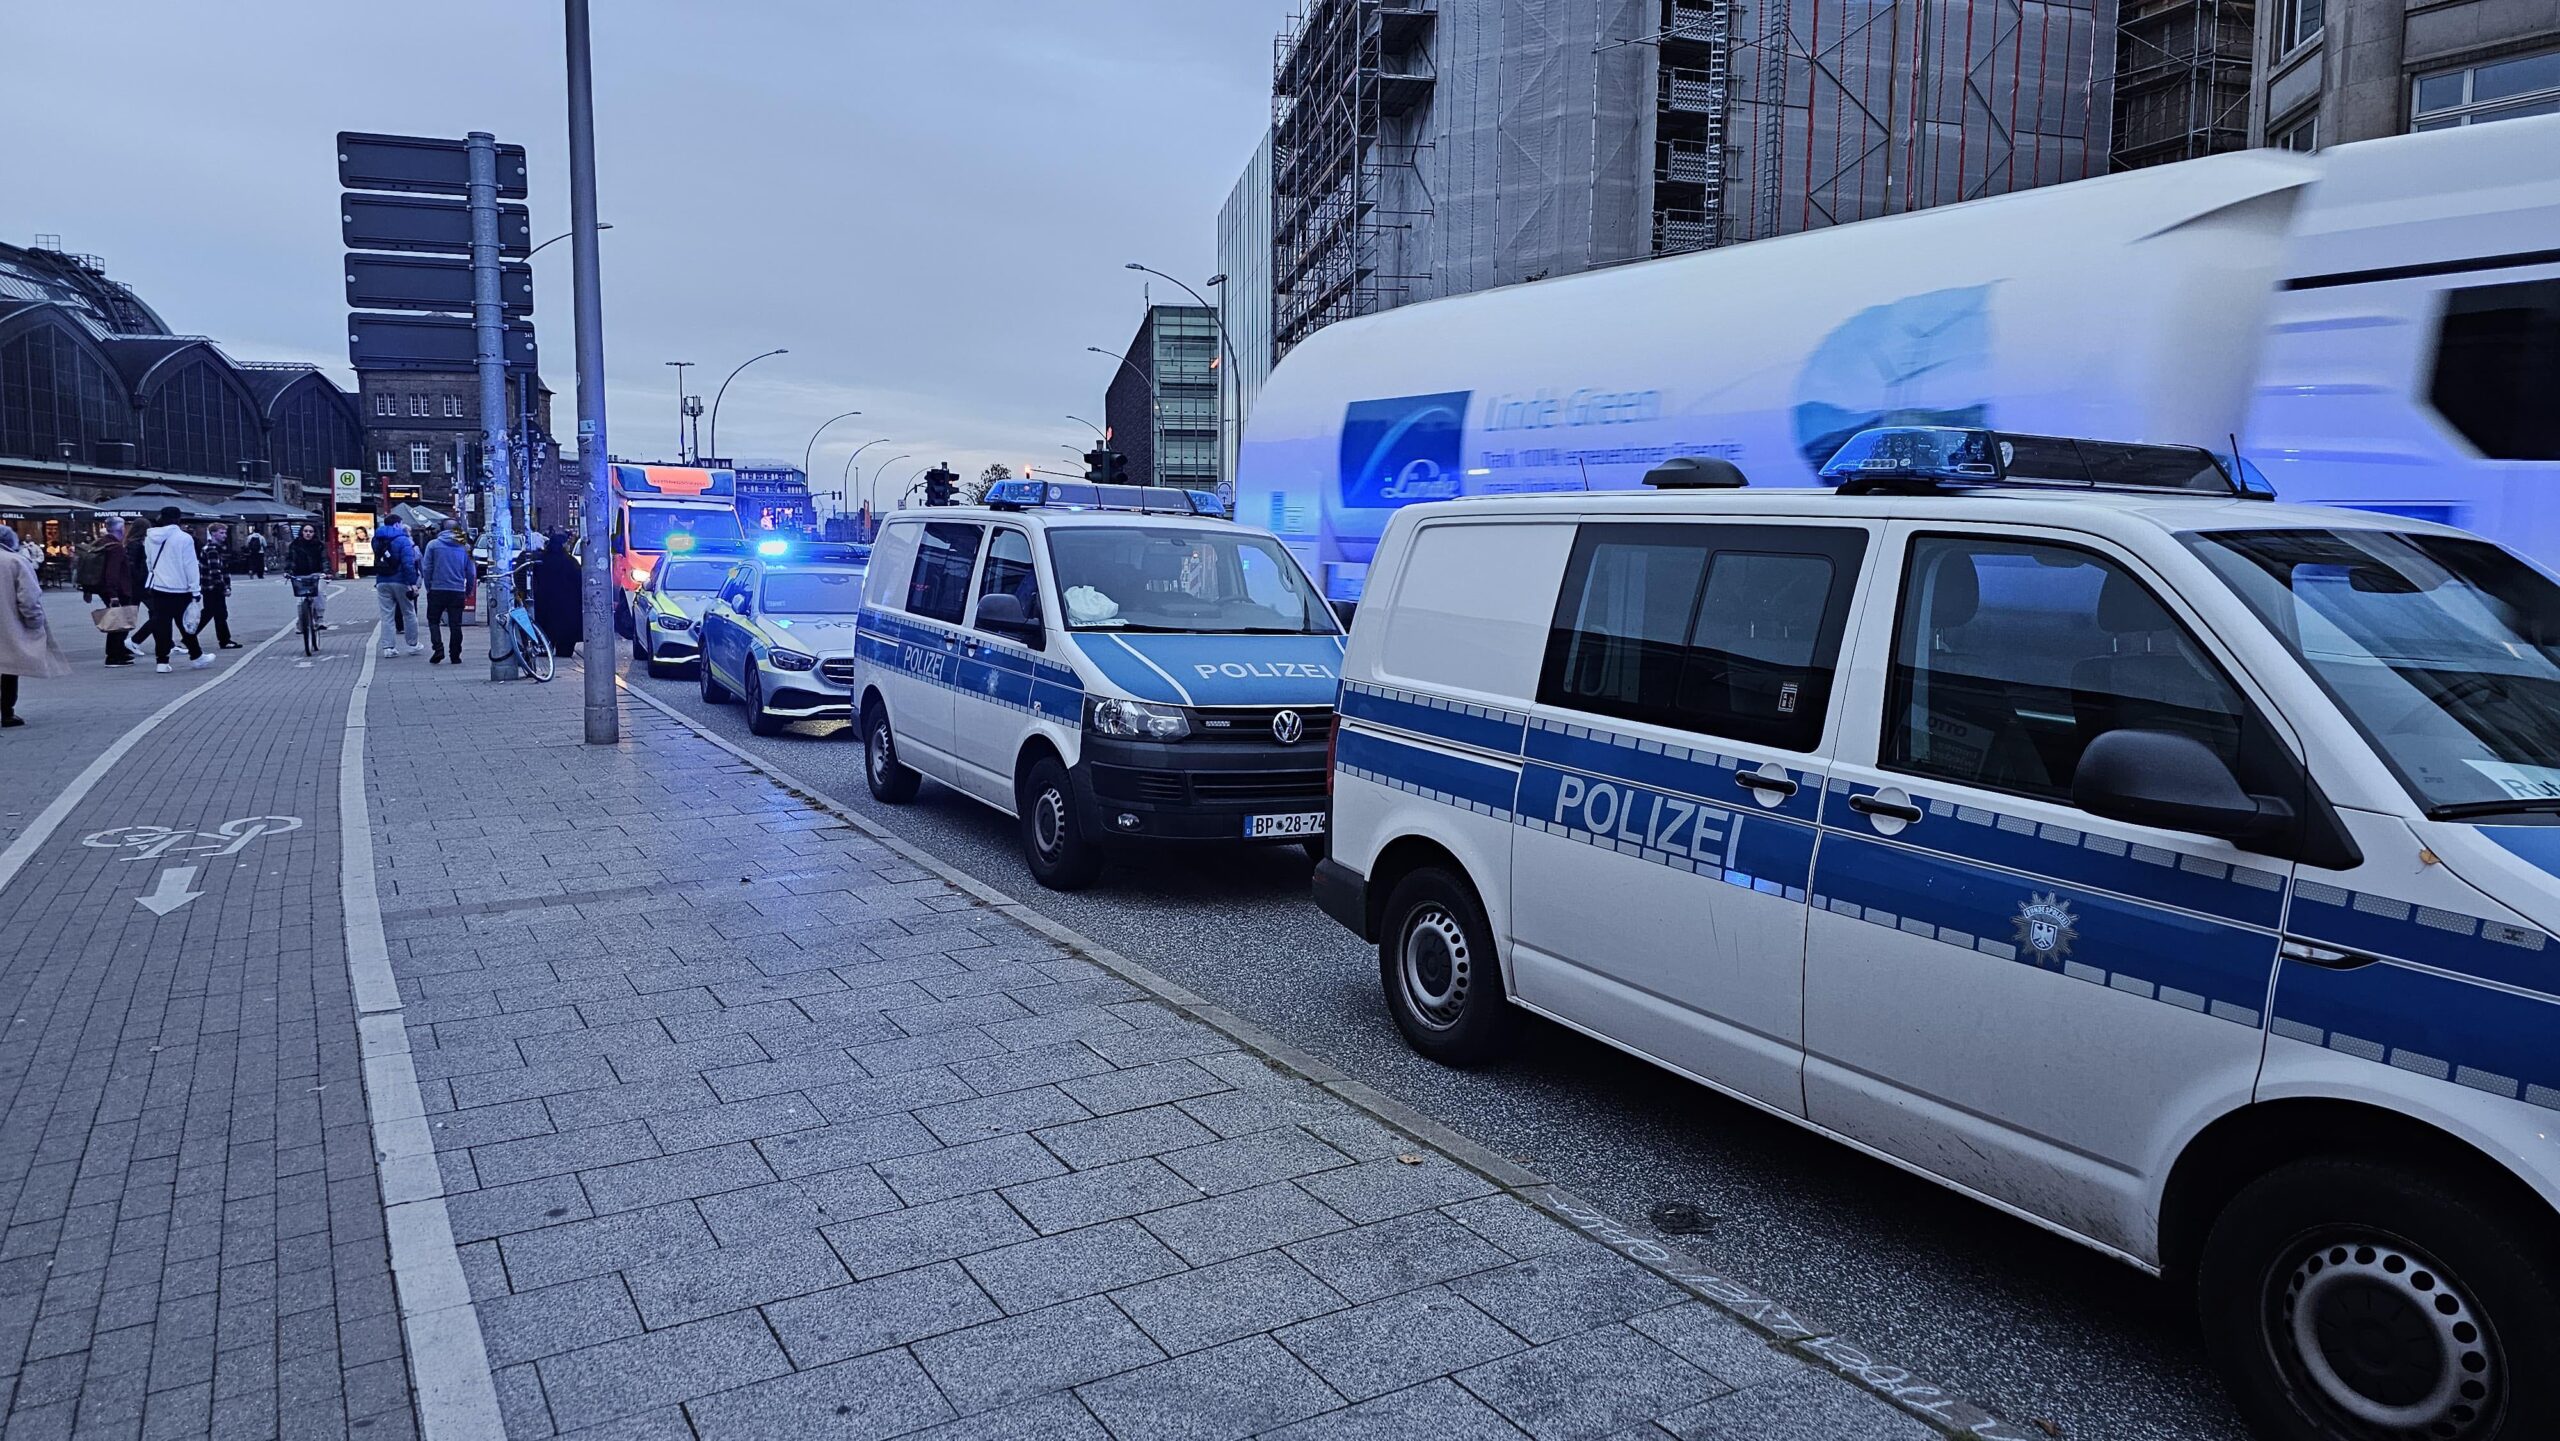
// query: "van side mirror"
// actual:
[[1002, 615], [2175, 782]]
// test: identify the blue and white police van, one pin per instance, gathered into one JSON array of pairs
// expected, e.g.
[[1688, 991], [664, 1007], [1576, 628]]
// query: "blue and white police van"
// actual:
[[2063, 821], [1107, 674]]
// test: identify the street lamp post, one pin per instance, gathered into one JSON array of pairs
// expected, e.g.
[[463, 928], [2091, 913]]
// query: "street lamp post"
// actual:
[[724, 390], [1226, 352], [681, 366], [871, 488], [845, 492], [811, 449], [602, 704], [1098, 432]]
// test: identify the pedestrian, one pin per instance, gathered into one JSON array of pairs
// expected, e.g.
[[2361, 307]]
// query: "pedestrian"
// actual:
[[213, 564], [395, 585], [258, 554], [26, 643], [449, 576], [170, 584], [107, 581], [307, 560], [559, 605]]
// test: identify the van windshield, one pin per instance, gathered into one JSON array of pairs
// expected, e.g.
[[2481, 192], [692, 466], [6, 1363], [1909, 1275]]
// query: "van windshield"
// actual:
[[1164, 578], [651, 525], [2444, 652]]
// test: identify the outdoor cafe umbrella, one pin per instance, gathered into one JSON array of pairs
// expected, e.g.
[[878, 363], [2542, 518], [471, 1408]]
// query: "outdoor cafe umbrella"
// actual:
[[152, 499], [17, 501], [257, 507]]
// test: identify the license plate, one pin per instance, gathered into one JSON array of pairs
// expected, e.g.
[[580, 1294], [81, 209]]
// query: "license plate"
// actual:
[[1304, 823]]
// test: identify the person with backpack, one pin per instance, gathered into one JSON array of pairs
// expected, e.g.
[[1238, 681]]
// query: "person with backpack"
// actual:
[[395, 585], [170, 583], [449, 575], [106, 578]]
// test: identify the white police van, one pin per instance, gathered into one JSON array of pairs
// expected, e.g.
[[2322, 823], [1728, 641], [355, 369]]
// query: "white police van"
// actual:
[[1103, 674], [2058, 820]]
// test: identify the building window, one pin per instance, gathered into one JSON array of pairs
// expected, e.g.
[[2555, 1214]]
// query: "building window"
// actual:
[[382, 404], [452, 406], [386, 461], [421, 458], [2497, 90], [2497, 365], [417, 405], [2302, 135], [2297, 24]]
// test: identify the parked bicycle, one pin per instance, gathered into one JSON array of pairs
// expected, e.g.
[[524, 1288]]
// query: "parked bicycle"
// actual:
[[533, 651]]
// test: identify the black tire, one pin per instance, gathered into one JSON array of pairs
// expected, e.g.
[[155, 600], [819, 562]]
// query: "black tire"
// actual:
[[891, 782], [640, 655], [310, 633], [1061, 856], [2347, 1299], [1437, 964], [534, 657], [713, 693], [759, 720]]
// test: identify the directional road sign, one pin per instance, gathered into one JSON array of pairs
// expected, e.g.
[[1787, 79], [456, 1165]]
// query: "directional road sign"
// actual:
[[431, 224], [418, 165], [428, 342], [420, 282]]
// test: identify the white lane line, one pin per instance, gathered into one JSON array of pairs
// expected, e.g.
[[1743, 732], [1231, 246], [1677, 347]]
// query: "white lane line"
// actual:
[[41, 829], [448, 1362]]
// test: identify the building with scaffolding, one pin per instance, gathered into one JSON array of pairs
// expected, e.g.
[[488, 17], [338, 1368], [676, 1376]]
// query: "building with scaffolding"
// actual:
[[1422, 148], [2182, 79]]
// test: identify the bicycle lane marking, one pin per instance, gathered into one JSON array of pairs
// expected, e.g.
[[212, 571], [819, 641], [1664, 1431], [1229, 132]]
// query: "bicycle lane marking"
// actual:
[[41, 829], [448, 1361]]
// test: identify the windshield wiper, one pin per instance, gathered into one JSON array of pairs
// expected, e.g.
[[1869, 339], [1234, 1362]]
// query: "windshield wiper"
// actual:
[[2467, 809]]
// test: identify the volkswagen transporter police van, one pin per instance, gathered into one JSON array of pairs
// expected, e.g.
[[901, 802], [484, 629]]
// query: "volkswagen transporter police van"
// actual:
[[1103, 675], [2062, 821]]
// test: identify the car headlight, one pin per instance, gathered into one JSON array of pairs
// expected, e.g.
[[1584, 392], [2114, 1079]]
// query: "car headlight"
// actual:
[[790, 659], [672, 622], [1137, 720]]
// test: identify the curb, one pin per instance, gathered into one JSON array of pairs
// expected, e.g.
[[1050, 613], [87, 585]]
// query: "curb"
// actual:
[[1807, 1341]]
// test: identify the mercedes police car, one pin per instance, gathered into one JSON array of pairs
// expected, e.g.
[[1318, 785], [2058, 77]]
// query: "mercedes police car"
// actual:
[[778, 634], [2058, 820], [665, 606], [1104, 675]]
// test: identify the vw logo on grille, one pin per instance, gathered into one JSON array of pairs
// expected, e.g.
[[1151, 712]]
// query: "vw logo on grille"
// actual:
[[1288, 727]]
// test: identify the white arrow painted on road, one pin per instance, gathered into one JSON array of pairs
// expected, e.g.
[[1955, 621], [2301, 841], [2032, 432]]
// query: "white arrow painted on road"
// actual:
[[170, 891]]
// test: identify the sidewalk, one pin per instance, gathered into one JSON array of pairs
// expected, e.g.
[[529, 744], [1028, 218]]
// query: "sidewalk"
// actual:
[[630, 1092]]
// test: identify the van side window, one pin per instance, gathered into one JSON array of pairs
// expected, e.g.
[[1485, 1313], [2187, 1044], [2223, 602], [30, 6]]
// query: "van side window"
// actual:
[[893, 554], [2010, 657], [938, 587], [1729, 631], [1010, 572], [2497, 363]]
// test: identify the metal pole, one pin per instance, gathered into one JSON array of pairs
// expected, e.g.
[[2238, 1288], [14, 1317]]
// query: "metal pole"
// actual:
[[812, 448], [872, 494], [488, 323], [724, 390], [680, 367], [604, 709]]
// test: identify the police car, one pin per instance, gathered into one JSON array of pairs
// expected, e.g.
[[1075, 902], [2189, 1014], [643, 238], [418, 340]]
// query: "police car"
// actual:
[[2058, 820], [667, 604], [1103, 674], [778, 634]]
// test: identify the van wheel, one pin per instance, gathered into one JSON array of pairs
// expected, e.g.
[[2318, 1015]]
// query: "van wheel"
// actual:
[[1062, 857], [2353, 1300], [891, 782], [1435, 958], [759, 720]]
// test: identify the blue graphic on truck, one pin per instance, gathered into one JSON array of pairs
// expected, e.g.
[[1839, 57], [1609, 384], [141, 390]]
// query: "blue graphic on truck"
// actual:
[[1400, 451]]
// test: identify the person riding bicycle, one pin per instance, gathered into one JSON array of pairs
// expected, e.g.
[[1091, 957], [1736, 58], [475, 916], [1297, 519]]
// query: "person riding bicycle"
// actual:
[[306, 563]]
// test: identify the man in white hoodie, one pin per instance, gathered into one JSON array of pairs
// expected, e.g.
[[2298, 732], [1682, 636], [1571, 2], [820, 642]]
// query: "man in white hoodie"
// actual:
[[169, 583]]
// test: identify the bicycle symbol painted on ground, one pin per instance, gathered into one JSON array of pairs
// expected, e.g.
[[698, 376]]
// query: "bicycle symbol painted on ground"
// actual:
[[150, 843]]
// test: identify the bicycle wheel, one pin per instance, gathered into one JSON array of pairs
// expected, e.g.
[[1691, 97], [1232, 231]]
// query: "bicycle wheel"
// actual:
[[310, 630], [533, 653]]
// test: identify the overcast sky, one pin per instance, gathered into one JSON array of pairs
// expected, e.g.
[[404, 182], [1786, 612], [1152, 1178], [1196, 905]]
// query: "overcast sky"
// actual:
[[927, 201]]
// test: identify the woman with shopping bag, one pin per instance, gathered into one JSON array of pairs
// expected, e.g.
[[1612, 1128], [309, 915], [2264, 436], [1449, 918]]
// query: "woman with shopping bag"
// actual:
[[26, 642], [108, 583]]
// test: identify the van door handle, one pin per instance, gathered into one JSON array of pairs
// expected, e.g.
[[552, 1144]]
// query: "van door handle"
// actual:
[[1779, 786], [1878, 806], [2327, 957]]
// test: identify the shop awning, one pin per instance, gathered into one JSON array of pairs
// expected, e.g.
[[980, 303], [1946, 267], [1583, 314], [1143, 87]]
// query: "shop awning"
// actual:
[[17, 501]]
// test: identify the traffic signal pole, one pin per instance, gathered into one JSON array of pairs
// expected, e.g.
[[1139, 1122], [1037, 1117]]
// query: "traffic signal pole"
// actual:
[[489, 332], [603, 703]]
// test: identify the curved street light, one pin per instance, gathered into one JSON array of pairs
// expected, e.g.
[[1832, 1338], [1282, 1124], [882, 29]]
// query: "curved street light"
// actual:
[[871, 488], [724, 390], [1098, 432], [857, 455], [1143, 378], [811, 449]]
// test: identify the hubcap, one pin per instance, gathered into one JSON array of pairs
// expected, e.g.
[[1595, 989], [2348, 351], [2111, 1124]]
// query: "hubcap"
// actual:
[[1435, 967], [1049, 821], [2379, 1336], [880, 752]]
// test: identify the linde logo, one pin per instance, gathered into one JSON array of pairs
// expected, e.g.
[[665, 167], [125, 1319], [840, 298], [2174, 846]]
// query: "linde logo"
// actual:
[[1264, 670], [1656, 822], [1399, 451]]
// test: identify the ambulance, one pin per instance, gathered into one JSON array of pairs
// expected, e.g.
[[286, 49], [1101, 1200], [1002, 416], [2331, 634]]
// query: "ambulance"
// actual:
[[660, 510]]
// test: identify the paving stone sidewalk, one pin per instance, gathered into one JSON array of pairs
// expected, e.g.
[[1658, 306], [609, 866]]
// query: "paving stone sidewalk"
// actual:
[[751, 1127]]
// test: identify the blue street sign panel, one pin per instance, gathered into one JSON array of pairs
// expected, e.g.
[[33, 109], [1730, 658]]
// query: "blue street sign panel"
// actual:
[[421, 165], [429, 224], [420, 282]]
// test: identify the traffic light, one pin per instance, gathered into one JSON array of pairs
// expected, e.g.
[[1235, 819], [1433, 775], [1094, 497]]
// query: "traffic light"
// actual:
[[1117, 471], [1096, 464], [939, 484]]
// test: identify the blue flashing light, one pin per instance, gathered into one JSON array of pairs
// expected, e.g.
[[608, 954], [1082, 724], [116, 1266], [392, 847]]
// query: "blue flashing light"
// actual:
[[1943, 454], [1939, 458], [773, 547]]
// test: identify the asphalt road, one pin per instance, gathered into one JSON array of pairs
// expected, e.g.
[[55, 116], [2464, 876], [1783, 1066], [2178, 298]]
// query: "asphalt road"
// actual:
[[2033, 1327]]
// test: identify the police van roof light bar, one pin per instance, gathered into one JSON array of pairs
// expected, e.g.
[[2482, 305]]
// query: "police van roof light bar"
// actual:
[[1016, 495], [1945, 460]]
